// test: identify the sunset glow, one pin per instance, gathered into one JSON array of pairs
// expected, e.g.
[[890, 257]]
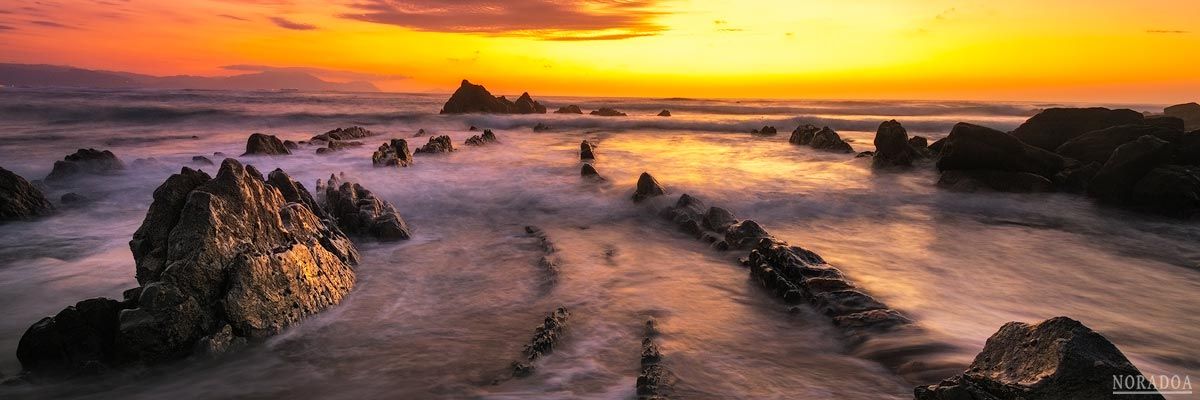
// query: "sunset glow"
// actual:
[[1104, 50]]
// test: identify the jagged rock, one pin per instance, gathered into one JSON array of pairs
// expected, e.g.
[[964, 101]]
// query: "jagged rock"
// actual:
[[972, 146], [745, 234], [85, 162], [765, 131], [1059, 358], [470, 98], [438, 144], [1188, 112], [1098, 146], [263, 144], [358, 212], [540, 127], [664, 113], [19, 199], [392, 154], [607, 112], [571, 109], [803, 134], [971, 180], [827, 139], [687, 214], [1171, 190], [1128, 165], [480, 140], [892, 147], [1054, 126], [290, 145], [73, 198], [589, 172], [718, 219], [654, 380], [545, 336], [202, 160], [647, 187], [587, 150]]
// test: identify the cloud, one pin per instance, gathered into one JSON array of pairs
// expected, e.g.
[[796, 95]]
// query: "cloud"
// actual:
[[6, 28], [541, 19], [1166, 31], [51, 24], [234, 17], [322, 72], [285, 24]]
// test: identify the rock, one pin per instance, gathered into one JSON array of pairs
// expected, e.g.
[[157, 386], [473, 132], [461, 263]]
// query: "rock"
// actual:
[[1059, 358], [1187, 151], [19, 199], [1001, 181], [864, 154], [1188, 112], [572, 109], [1098, 146], [918, 142], [420, 133], [392, 154], [79, 340], [589, 172], [545, 336], [1075, 178], [765, 131], [201, 160], [654, 381], [718, 219], [972, 146], [827, 139], [892, 147], [745, 235], [348, 133], [607, 112], [587, 150], [358, 212], [338, 145], [1165, 122], [290, 145], [73, 198], [1128, 165], [664, 113], [85, 162], [473, 128], [262, 144], [647, 187], [438, 144], [1170, 190], [803, 134], [480, 140], [470, 98], [540, 127], [935, 148], [1054, 126]]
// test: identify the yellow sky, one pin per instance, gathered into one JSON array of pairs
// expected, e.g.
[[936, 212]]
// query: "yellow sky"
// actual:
[[1091, 51]]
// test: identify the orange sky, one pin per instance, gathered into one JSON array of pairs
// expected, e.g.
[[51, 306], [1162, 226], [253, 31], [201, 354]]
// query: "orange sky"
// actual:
[[1091, 51]]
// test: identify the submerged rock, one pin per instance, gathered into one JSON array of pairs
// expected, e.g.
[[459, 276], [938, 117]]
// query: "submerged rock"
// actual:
[[607, 112], [1188, 112], [587, 171], [803, 134], [471, 98], [545, 336], [1098, 146], [392, 154], [893, 147], [420, 132], [647, 187], [19, 199], [73, 198], [438, 144], [664, 113], [540, 127], [587, 150], [358, 212], [1058, 358], [765, 131], [654, 381], [1054, 126], [480, 140], [263, 144], [473, 128], [971, 147], [571, 109], [85, 162]]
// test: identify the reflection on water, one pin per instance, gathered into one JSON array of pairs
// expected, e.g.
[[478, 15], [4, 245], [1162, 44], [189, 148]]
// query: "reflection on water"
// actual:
[[442, 315]]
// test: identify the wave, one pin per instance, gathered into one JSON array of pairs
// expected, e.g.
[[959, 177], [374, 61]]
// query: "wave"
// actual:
[[783, 124], [84, 113]]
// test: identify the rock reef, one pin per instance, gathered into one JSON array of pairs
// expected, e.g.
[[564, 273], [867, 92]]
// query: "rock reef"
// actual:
[[359, 212], [471, 98], [394, 153], [479, 140], [545, 337], [607, 112], [437, 144], [571, 109], [265, 145]]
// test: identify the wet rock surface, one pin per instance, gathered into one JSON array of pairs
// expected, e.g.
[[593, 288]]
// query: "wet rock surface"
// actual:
[[647, 187], [828, 140], [357, 211], [84, 162], [479, 140], [471, 98], [974, 147], [19, 199], [545, 337], [1054, 126], [803, 134], [265, 145], [1114, 182], [571, 109], [587, 150], [654, 380], [607, 112], [437, 144], [893, 147], [394, 153]]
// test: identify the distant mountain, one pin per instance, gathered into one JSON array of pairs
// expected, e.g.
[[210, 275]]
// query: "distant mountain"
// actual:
[[32, 75]]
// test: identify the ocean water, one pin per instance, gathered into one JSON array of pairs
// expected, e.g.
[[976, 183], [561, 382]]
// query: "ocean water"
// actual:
[[443, 315]]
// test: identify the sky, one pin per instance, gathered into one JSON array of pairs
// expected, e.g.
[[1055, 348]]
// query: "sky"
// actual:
[[1048, 50]]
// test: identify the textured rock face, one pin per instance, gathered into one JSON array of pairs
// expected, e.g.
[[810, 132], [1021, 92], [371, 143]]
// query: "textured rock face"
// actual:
[[262, 144], [828, 140], [438, 144], [892, 147], [480, 140], [975, 147], [664, 113], [1188, 112], [358, 212], [587, 150], [545, 336], [471, 98], [1128, 164], [607, 112], [654, 381], [392, 154], [1054, 126], [803, 134], [1098, 146], [1059, 358], [571, 109], [19, 199], [85, 162], [647, 187]]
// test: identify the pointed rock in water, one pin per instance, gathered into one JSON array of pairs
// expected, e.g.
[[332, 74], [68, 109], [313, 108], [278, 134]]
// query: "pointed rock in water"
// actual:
[[892, 147], [473, 128], [1058, 358], [348, 133], [358, 212], [664, 113], [828, 140], [480, 140], [647, 187], [438, 144], [607, 112], [1188, 112], [19, 199], [589, 172], [803, 134], [526, 105], [1054, 126], [85, 162], [572, 109], [392, 154], [263, 144], [471, 98], [587, 150]]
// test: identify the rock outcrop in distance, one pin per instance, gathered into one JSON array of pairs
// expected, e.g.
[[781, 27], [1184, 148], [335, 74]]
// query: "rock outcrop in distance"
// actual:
[[819, 138], [437, 144], [587, 150], [480, 140], [570, 109], [1059, 358], [358, 212], [607, 112], [19, 199], [265, 145], [471, 98], [203, 287], [85, 162], [1188, 112], [394, 153], [664, 113], [764, 131]]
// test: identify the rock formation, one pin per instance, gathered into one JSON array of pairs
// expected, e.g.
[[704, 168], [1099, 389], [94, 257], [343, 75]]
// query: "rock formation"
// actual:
[[587, 171], [571, 109], [19, 199], [654, 380], [526, 105], [480, 140], [85, 162], [647, 187], [764, 131], [664, 113], [828, 140], [587, 150], [607, 112], [892, 146], [1188, 112], [202, 160], [545, 336], [1129, 163], [803, 134], [1098, 145], [1054, 126], [420, 133], [358, 212], [1172, 190], [340, 138], [392, 154], [263, 144], [470, 98], [437, 144], [973, 147]]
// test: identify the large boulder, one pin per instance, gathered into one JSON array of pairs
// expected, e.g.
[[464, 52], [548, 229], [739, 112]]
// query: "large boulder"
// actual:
[[263, 144], [1128, 165], [803, 134], [607, 112], [80, 339], [1054, 126], [1098, 146], [358, 212], [828, 140], [437, 144], [85, 162], [1171, 190], [392, 154], [647, 187], [471, 98], [891, 146], [571, 109], [19, 199], [1058, 358], [1188, 112], [970, 147]]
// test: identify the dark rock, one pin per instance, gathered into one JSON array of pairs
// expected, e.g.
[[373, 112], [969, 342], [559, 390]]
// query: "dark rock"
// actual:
[[1187, 150], [718, 219], [358, 212], [201, 160], [935, 148], [827, 139], [587, 150], [918, 142], [1059, 358], [654, 381], [1188, 112], [607, 112], [420, 133], [1075, 178], [1128, 165], [664, 113], [85, 162], [472, 128], [471, 98], [647, 187], [79, 340], [572, 109], [19, 199], [438, 144], [1170, 190], [290, 145], [1165, 122], [745, 234], [540, 127], [803, 134], [392, 154], [348, 133], [338, 145], [262, 144], [892, 148], [480, 140], [73, 198], [589, 172], [545, 337], [1098, 146], [1054, 126], [765, 131], [972, 146], [1002, 181], [864, 154]]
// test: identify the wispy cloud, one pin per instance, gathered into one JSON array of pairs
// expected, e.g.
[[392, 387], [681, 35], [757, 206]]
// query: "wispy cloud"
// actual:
[[1166, 31], [51, 24], [233, 17], [286, 24], [322, 72]]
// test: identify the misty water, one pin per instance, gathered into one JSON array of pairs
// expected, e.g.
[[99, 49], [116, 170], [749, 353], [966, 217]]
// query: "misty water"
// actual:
[[443, 315]]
